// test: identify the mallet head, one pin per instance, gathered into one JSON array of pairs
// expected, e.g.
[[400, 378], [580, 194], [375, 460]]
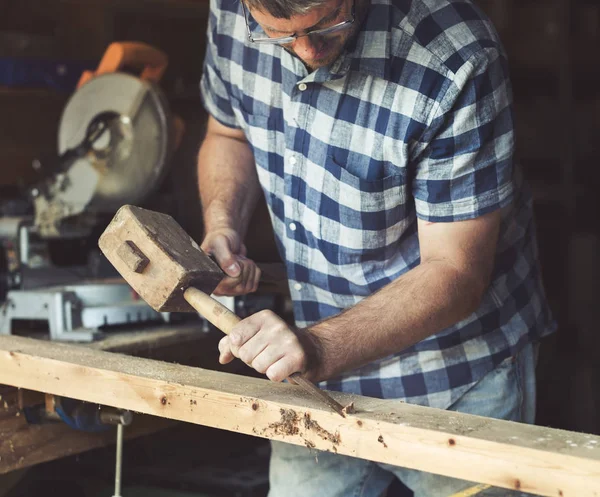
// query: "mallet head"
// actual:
[[158, 258]]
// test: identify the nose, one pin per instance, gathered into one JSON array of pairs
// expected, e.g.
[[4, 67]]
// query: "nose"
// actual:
[[306, 47]]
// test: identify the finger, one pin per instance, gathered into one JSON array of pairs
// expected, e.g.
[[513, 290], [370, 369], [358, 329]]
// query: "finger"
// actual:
[[237, 285], [241, 333], [264, 338], [257, 333], [221, 249], [252, 349], [245, 282], [252, 280], [266, 358], [250, 271], [229, 287], [257, 275], [225, 355], [282, 368]]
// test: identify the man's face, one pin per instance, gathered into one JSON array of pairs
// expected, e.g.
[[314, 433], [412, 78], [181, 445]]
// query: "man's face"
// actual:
[[314, 50]]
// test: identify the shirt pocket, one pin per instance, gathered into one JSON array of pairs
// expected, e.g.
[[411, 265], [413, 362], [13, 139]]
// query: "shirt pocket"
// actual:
[[360, 220]]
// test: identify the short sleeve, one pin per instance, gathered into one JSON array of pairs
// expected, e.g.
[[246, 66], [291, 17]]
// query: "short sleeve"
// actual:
[[464, 168], [213, 87]]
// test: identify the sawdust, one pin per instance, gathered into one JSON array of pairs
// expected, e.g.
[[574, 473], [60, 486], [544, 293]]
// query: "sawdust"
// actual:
[[288, 424], [291, 423], [310, 424]]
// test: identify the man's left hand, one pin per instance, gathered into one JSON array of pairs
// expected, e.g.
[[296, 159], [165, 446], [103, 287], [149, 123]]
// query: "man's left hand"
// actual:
[[266, 343]]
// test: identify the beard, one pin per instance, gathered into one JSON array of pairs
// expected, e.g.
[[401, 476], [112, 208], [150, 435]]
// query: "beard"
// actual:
[[329, 48]]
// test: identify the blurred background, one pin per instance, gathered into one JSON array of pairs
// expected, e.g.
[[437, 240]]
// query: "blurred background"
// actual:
[[48, 232]]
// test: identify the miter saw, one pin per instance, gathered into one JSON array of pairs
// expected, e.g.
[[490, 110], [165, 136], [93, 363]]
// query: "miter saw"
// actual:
[[115, 138]]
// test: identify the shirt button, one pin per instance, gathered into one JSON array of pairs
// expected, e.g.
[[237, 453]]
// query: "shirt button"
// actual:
[[293, 160], [293, 226], [298, 286], [302, 86]]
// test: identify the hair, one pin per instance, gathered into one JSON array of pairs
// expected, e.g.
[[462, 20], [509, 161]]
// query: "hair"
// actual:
[[284, 9]]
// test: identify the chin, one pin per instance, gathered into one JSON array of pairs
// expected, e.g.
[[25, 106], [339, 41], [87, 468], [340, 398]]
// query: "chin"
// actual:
[[325, 61]]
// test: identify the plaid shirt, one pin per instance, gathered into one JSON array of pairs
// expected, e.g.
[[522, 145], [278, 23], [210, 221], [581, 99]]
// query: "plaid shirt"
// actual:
[[413, 120]]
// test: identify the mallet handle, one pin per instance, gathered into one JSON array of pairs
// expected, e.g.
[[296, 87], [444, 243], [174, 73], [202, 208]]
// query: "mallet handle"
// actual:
[[225, 320], [212, 310]]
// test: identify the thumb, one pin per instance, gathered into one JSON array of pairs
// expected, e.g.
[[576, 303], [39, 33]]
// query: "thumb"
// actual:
[[221, 250]]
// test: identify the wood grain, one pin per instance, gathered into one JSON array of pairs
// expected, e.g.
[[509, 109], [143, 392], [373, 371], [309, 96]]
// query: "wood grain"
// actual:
[[176, 262], [532, 459], [23, 445]]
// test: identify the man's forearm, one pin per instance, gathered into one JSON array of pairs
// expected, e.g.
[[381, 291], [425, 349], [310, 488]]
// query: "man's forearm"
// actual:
[[227, 182], [424, 301]]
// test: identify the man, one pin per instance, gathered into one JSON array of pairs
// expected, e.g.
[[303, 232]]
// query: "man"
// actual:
[[380, 132]]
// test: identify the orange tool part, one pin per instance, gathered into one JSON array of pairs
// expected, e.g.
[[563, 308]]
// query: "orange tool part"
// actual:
[[151, 61]]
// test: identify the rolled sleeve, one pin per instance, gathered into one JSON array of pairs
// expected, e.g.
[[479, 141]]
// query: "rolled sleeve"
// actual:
[[213, 88], [466, 167]]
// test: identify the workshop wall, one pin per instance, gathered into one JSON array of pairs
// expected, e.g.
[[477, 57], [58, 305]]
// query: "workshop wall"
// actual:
[[555, 69], [555, 64]]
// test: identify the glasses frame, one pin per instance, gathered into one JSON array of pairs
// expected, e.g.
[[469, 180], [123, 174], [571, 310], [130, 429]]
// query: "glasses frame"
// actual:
[[284, 40]]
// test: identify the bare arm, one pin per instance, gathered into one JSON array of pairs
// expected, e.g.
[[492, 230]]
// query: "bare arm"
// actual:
[[229, 190], [447, 286], [456, 264], [227, 178]]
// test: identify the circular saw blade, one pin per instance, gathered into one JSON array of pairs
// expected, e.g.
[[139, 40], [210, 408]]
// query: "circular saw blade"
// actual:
[[132, 155]]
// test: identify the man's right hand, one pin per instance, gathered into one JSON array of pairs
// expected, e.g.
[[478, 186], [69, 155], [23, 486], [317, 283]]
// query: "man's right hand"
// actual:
[[230, 253]]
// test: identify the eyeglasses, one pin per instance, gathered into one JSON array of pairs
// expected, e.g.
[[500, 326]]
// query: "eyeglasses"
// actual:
[[284, 40]]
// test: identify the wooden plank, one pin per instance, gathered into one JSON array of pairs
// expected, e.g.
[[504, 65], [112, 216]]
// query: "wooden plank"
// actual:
[[23, 445], [150, 341], [500, 453]]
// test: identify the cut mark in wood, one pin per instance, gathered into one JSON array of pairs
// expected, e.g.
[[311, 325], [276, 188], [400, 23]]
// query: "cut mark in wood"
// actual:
[[311, 424], [288, 424], [349, 409]]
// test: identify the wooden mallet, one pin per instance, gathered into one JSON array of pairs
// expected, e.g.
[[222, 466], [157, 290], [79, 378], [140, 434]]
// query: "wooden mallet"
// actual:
[[167, 268]]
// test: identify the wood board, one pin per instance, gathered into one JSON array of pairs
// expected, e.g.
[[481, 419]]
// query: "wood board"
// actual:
[[531, 459], [23, 445]]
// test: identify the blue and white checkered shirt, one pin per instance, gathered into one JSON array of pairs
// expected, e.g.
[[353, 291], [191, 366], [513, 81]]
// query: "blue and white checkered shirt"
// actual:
[[413, 120]]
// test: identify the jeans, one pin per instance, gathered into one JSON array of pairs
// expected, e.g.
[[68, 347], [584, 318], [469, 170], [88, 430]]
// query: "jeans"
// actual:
[[507, 392]]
